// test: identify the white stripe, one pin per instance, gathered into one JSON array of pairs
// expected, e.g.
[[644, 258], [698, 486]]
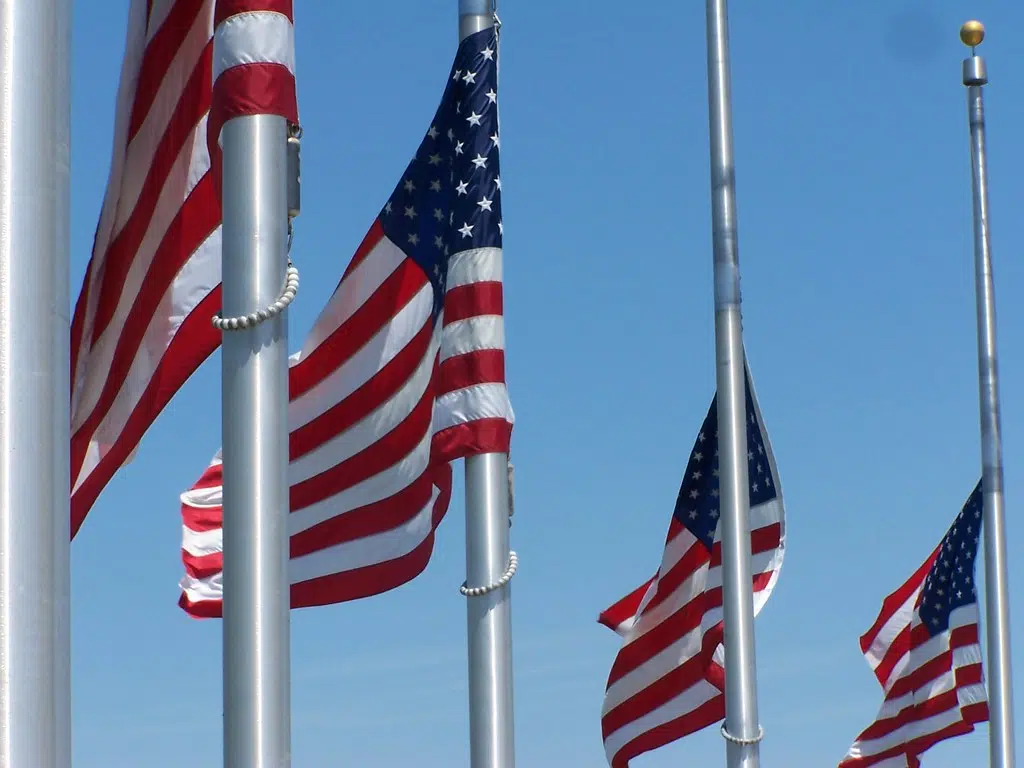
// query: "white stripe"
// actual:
[[366, 551], [479, 265], [380, 350], [472, 335], [368, 430], [481, 401], [355, 290], [654, 668], [253, 37], [194, 282], [687, 701]]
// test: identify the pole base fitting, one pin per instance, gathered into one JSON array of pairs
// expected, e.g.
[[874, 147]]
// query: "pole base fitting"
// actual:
[[737, 740], [513, 566]]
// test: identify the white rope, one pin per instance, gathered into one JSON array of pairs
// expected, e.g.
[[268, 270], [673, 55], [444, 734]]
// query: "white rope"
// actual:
[[243, 322], [737, 740], [513, 566]]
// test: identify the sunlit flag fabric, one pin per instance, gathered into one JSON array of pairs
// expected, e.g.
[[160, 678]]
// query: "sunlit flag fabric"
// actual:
[[667, 680], [924, 650], [403, 372], [142, 321]]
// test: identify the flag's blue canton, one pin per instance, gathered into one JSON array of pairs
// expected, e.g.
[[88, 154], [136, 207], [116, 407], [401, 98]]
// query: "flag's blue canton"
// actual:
[[697, 506], [449, 199], [950, 582]]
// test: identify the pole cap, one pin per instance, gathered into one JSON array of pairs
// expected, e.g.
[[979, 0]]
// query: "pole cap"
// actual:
[[972, 33]]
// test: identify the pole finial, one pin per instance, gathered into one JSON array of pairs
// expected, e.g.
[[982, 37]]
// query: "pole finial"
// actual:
[[972, 33]]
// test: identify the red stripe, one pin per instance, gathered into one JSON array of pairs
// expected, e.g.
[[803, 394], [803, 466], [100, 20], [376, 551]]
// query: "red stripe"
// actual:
[[397, 290], [893, 602], [485, 366], [78, 321], [198, 217], [707, 714], [227, 8], [473, 438], [124, 249], [158, 56], [626, 608], [194, 342], [379, 456], [372, 395], [473, 300], [361, 582]]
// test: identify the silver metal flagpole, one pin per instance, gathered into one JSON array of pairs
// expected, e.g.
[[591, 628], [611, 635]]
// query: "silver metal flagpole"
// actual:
[[997, 600], [257, 686], [35, 724], [489, 616], [741, 728]]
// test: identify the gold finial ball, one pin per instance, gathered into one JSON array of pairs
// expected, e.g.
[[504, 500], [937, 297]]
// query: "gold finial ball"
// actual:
[[972, 33]]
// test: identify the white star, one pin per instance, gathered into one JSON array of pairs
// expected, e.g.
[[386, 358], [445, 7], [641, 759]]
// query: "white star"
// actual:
[[458, 74], [480, 161], [387, 207], [470, 77], [497, 181], [485, 204], [698, 456], [451, 135], [750, 455], [435, 185], [458, 148], [696, 475], [410, 212], [714, 492], [409, 186], [693, 514], [694, 493], [754, 487], [714, 513], [439, 214], [432, 133], [439, 242], [496, 140], [434, 160], [487, 53], [492, 96], [414, 239], [461, 188], [474, 118], [501, 228], [466, 230]]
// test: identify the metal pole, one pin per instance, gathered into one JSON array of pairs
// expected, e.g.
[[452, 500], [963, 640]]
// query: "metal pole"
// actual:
[[997, 601], [35, 727], [489, 616], [741, 728], [257, 689]]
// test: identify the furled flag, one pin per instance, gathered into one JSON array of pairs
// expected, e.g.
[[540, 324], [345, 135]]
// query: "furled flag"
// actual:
[[668, 678], [142, 321], [924, 650], [403, 372]]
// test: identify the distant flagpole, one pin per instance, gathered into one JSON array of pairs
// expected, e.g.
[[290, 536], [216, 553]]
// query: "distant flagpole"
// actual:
[[35, 610], [254, 194], [997, 601], [489, 616], [741, 729]]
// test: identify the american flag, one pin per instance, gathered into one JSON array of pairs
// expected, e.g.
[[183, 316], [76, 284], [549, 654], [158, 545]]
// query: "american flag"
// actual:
[[403, 372], [142, 321], [924, 650], [668, 678]]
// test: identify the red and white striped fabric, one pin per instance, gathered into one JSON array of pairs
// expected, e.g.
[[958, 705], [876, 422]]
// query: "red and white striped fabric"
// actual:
[[402, 373], [668, 679], [142, 321], [924, 650]]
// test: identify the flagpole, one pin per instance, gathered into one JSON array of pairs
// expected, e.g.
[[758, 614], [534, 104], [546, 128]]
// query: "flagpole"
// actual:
[[488, 615], [257, 687], [741, 729], [35, 678], [997, 601]]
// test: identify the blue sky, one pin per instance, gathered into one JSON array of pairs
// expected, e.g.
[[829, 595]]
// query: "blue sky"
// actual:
[[855, 249]]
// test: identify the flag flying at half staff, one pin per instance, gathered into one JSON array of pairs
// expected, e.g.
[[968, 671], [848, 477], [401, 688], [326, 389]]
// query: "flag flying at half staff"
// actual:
[[925, 652], [402, 373], [667, 680], [142, 321]]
